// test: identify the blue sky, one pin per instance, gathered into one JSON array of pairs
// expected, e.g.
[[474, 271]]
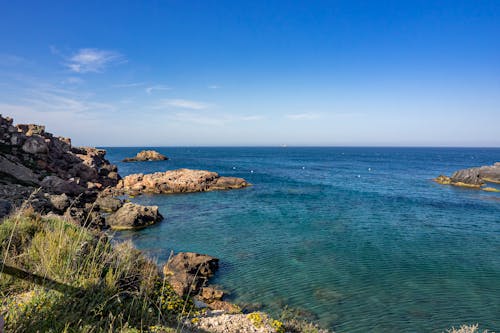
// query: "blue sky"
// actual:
[[173, 73]]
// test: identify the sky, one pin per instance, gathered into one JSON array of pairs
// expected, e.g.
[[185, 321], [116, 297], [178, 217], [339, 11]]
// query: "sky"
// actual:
[[254, 73]]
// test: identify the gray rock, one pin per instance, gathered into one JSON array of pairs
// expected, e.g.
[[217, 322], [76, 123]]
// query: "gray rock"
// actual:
[[133, 216], [57, 185], [108, 204], [5, 208], [17, 171], [35, 145], [60, 202]]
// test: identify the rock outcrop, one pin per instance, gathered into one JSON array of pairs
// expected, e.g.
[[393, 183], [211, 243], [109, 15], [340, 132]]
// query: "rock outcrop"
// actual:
[[474, 177], [146, 155], [178, 181], [188, 272], [47, 173], [133, 216]]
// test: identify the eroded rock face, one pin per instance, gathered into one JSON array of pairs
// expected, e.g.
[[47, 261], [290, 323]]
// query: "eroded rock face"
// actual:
[[178, 181], [147, 155], [473, 177], [133, 216], [188, 272]]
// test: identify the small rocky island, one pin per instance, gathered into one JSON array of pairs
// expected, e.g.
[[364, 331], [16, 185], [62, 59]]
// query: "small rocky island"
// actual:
[[178, 181], [146, 156], [477, 177]]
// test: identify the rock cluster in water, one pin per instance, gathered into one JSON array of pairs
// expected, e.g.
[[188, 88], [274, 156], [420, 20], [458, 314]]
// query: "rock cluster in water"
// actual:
[[178, 181], [474, 177], [146, 155]]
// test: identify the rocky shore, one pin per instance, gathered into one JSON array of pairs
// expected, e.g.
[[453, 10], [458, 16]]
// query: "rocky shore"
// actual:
[[47, 174], [477, 178]]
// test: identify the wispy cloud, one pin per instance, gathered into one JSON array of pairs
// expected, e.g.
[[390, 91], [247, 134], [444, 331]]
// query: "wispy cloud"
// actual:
[[128, 85], [149, 90], [64, 101], [303, 116], [183, 104], [93, 60], [213, 86]]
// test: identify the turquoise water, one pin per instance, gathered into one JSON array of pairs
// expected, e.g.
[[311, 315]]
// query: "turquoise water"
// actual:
[[360, 239]]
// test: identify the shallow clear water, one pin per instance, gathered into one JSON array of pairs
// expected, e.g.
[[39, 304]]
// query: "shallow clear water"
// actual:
[[359, 238]]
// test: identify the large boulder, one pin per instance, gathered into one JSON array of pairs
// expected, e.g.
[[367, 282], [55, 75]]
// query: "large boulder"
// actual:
[[17, 172], [133, 216], [188, 272], [35, 145], [54, 184], [147, 155], [178, 181]]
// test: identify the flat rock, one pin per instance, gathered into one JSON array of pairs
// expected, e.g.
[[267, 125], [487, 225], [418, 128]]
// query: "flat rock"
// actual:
[[147, 155], [178, 181], [133, 216]]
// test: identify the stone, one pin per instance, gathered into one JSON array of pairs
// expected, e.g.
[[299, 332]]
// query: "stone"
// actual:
[[57, 185], [210, 294], [178, 181], [188, 272], [146, 155], [108, 204], [17, 172], [60, 202], [35, 145], [133, 216]]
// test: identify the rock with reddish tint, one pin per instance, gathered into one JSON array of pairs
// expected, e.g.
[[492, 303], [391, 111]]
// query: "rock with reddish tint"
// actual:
[[147, 156], [188, 272], [178, 181]]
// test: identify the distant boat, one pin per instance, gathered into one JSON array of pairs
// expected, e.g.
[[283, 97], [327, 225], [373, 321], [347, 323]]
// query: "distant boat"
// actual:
[[284, 146]]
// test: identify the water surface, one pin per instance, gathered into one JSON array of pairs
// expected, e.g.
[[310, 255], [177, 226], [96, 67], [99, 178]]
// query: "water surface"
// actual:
[[360, 239]]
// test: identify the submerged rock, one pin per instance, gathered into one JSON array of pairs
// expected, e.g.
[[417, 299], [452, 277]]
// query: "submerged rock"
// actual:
[[133, 216], [147, 155], [178, 181]]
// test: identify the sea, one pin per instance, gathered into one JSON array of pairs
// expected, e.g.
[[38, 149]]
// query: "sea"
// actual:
[[356, 239]]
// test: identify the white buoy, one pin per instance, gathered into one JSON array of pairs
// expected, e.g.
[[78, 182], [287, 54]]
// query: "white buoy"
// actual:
[[234, 168], [303, 168], [359, 176], [251, 171], [369, 169]]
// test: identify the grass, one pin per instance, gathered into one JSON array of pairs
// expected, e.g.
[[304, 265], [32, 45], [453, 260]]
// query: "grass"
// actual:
[[79, 282]]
